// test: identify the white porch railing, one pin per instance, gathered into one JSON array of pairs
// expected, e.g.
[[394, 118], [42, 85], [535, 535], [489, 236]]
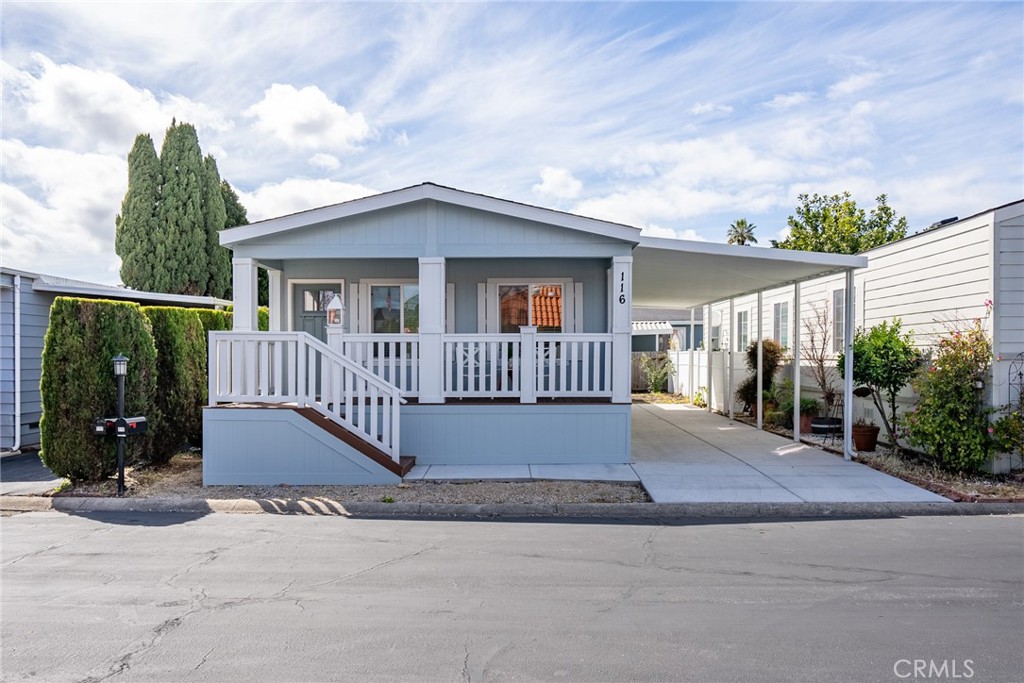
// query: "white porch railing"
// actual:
[[533, 365], [294, 367], [395, 358]]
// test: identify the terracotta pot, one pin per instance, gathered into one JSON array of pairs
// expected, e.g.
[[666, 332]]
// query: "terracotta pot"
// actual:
[[865, 438], [805, 424]]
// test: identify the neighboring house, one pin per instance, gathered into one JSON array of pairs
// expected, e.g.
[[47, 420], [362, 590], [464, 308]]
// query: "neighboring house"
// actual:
[[25, 300], [934, 278], [451, 327], [661, 329]]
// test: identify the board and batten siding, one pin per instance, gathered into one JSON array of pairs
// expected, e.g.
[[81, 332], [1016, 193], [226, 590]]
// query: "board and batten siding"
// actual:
[[35, 317]]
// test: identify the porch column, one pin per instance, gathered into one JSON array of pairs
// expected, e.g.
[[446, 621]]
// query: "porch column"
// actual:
[[707, 336], [243, 283], [796, 363], [622, 327], [278, 297], [848, 369], [432, 279], [760, 357], [732, 361]]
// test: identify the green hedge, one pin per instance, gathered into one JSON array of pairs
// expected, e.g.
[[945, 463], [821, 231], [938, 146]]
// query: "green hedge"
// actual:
[[262, 318], [213, 321], [78, 385], [181, 368]]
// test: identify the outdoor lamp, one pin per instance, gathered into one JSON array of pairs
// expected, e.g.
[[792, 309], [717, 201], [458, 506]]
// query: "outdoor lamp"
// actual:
[[335, 311], [120, 365]]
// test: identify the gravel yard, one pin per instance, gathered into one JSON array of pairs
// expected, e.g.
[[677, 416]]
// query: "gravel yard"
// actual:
[[183, 477]]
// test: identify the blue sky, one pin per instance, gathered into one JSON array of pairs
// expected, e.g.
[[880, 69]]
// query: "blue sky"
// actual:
[[675, 117]]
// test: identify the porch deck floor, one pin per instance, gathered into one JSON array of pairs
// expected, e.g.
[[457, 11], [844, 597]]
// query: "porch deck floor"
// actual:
[[687, 455]]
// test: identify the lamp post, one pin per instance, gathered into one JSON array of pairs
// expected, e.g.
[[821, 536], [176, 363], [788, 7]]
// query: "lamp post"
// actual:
[[121, 426]]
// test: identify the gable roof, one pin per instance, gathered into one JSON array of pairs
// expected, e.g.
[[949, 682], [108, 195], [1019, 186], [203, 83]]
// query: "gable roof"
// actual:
[[423, 192]]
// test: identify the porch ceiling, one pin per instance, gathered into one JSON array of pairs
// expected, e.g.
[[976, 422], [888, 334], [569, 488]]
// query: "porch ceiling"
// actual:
[[684, 274]]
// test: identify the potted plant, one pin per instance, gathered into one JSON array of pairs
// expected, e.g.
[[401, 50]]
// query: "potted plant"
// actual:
[[865, 435], [809, 408], [816, 349]]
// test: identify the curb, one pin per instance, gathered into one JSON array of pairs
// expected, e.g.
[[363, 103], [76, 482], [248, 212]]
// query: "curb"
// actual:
[[615, 511]]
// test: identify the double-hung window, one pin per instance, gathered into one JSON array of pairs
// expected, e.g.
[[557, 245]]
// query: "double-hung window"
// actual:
[[781, 319], [838, 319], [742, 334], [539, 304]]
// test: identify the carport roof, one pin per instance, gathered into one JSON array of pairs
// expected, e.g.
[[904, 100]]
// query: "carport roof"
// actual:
[[670, 273]]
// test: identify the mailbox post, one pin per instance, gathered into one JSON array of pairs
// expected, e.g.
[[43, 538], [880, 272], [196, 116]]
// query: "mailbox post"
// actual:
[[121, 426]]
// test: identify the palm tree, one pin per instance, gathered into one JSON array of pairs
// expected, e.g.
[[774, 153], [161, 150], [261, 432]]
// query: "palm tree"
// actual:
[[742, 232]]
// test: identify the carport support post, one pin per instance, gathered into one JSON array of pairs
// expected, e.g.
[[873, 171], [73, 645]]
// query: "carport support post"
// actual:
[[732, 362], [796, 363], [707, 347], [760, 357], [848, 370]]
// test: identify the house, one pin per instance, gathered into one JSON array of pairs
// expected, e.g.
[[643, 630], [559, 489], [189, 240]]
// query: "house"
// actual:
[[662, 329], [939, 276], [25, 300], [449, 327]]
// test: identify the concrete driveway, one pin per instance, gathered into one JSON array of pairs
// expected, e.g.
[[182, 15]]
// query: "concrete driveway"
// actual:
[[25, 475], [687, 455]]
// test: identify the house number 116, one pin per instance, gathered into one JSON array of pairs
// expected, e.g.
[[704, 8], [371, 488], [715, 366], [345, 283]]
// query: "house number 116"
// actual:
[[622, 288]]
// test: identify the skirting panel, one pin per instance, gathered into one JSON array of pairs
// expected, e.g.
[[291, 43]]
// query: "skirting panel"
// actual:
[[507, 434], [268, 446]]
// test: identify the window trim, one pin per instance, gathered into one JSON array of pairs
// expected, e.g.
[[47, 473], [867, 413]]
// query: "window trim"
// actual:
[[739, 331], [838, 321], [309, 281], [780, 328]]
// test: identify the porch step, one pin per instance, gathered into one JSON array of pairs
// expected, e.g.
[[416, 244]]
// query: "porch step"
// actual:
[[401, 468]]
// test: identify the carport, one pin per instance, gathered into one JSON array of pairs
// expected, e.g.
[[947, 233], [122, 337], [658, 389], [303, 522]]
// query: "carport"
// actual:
[[670, 273]]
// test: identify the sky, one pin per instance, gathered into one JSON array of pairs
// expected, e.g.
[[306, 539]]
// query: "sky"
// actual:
[[678, 118]]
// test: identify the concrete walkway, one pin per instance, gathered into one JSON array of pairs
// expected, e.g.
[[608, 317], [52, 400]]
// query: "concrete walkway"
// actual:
[[687, 455]]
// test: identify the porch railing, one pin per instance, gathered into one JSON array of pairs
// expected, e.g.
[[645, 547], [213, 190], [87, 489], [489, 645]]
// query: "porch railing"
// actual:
[[294, 367], [395, 358]]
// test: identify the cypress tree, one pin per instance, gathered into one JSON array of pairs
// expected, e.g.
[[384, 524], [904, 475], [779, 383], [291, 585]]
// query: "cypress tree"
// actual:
[[136, 227], [181, 215], [218, 258], [236, 215]]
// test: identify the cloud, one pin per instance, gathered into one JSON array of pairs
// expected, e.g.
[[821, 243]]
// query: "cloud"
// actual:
[[788, 101], [95, 110], [702, 108], [298, 194], [853, 84], [658, 231], [558, 183], [59, 209], [307, 119], [325, 161]]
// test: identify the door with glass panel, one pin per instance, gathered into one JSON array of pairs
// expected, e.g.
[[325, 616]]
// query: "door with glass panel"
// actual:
[[310, 306]]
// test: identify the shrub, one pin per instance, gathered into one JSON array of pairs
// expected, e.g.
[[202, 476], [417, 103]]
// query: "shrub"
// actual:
[[78, 386], [213, 321], [657, 369], [771, 356], [950, 422], [181, 368], [262, 318], [884, 360]]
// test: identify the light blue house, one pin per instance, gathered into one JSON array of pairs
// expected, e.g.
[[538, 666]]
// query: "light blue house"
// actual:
[[449, 327]]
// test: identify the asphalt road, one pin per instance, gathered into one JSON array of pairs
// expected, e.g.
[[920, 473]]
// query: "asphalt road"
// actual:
[[168, 597]]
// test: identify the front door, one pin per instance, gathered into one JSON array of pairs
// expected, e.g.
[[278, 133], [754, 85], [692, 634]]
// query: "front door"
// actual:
[[310, 306]]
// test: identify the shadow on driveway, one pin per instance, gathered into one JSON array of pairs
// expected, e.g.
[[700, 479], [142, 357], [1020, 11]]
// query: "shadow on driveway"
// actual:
[[25, 475]]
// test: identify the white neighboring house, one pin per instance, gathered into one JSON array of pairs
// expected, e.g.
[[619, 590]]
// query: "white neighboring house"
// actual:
[[25, 300], [449, 327], [936, 277]]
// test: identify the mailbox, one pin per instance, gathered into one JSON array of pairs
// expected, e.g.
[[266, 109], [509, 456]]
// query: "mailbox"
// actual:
[[126, 426], [101, 427]]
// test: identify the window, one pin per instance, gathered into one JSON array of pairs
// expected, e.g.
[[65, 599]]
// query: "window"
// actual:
[[394, 309], [782, 324], [716, 337], [838, 319], [742, 335], [531, 304], [316, 300]]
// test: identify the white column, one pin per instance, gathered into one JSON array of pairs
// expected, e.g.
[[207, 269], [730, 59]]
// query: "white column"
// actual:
[[732, 361], [760, 357], [432, 279], [278, 301], [528, 368], [243, 286], [622, 331], [848, 370], [707, 346], [795, 316]]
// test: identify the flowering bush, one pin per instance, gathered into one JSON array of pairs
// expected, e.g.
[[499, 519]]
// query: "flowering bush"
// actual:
[[950, 421], [1008, 432]]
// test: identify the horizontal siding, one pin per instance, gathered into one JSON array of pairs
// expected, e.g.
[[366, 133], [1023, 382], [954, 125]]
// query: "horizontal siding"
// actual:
[[1010, 293]]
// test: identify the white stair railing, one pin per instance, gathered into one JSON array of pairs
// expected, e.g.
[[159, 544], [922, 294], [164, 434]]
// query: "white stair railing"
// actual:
[[295, 367]]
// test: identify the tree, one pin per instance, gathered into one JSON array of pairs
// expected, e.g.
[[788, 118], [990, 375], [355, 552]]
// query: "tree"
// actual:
[[742, 232], [175, 207], [181, 215], [884, 360], [814, 347], [835, 225], [136, 227]]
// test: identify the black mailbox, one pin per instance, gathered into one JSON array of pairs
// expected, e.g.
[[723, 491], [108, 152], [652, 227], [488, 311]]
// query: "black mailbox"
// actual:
[[134, 425], [101, 427]]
